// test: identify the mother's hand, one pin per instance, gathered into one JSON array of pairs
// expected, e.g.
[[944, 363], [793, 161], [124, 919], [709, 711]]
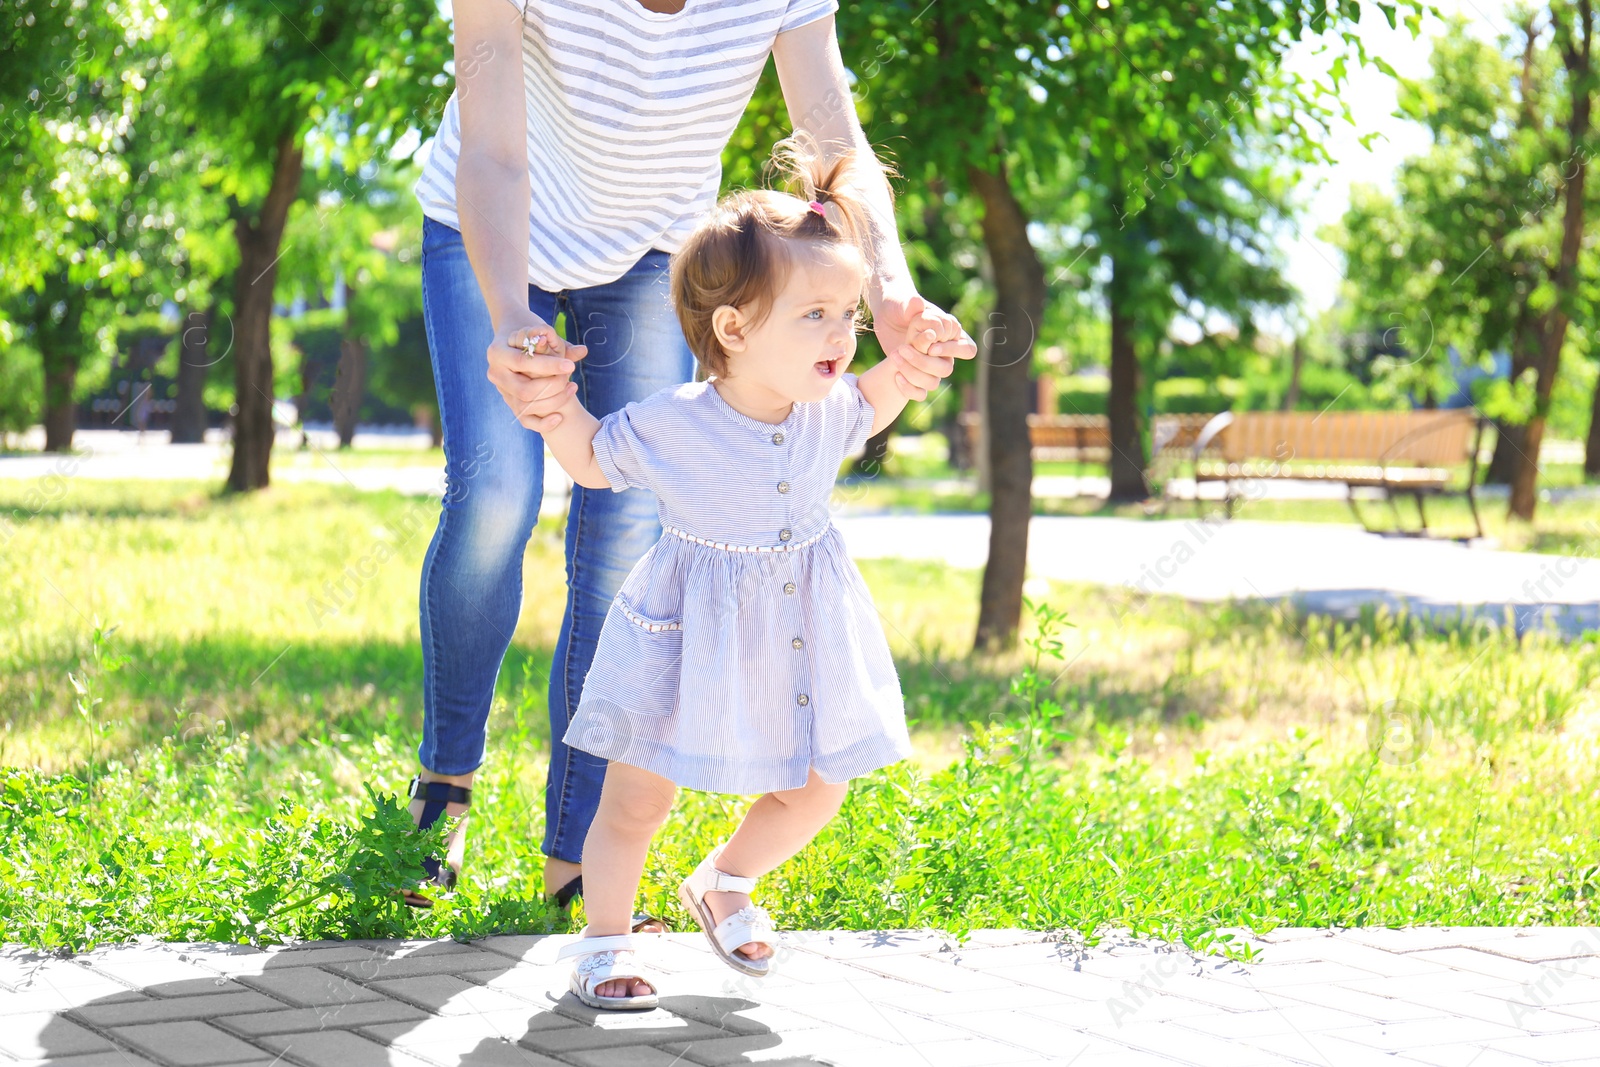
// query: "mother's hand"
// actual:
[[529, 363], [904, 320], [924, 340]]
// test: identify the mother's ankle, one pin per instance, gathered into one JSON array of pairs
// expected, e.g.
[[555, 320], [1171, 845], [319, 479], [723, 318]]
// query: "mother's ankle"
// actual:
[[452, 779], [559, 873]]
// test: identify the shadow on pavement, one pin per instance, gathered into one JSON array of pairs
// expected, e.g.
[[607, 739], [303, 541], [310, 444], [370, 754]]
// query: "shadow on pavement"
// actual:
[[355, 1004]]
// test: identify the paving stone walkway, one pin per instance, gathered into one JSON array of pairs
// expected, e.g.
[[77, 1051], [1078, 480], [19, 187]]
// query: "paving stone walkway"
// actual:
[[1486, 997]]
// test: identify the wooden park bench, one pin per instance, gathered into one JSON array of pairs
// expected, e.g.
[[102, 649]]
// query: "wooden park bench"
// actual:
[[1055, 437], [1398, 452], [1087, 438]]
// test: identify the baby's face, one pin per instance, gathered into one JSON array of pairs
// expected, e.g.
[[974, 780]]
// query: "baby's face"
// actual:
[[809, 337]]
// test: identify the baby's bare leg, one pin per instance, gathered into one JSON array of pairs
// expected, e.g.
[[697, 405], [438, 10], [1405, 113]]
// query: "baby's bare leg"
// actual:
[[633, 805], [776, 827]]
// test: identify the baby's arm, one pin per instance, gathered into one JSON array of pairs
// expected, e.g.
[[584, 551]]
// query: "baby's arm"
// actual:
[[572, 443], [878, 386], [907, 373], [886, 385]]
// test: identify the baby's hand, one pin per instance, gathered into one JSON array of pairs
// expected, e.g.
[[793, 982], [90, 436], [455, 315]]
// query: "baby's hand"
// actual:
[[916, 372], [532, 368]]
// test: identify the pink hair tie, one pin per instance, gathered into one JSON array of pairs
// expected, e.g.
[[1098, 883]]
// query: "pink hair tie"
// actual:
[[816, 205]]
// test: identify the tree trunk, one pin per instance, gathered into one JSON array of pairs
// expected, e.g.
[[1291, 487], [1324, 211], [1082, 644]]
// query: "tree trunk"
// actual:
[[143, 358], [259, 240], [980, 389], [60, 412], [1511, 438], [962, 457], [1525, 483], [426, 417], [189, 410], [1020, 292], [349, 388], [302, 399], [58, 326], [1510, 442], [1591, 447], [1297, 362], [1128, 460], [1576, 54]]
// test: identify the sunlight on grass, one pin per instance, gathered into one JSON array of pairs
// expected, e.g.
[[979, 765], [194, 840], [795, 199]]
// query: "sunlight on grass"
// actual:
[[1168, 767]]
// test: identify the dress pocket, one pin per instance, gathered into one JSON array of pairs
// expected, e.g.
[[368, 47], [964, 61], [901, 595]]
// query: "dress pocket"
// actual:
[[646, 622], [642, 661]]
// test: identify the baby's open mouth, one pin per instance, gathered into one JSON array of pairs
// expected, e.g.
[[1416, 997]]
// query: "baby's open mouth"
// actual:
[[828, 368]]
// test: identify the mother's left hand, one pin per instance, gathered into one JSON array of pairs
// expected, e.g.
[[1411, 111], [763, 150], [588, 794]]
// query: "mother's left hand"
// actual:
[[935, 338]]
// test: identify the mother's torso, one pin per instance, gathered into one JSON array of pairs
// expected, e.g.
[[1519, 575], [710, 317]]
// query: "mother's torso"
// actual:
[[628, 111]]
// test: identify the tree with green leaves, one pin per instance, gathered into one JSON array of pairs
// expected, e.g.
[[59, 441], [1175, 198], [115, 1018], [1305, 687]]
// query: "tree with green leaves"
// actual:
[[72, 88], [1447, 260], [359, 229], [108, 214], [934, 233], [1035, 109], [252, 79], [49, 55], [1199, 246], [1572, 29], [1468, 250], [1186, 180], [1591, 445], [402, 374]]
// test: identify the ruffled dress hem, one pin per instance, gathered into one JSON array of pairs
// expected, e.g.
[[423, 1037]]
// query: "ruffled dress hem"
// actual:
[[589, 733]]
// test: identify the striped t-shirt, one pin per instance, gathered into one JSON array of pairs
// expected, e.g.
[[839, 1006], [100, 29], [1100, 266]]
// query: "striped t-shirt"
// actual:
[[628, 113]]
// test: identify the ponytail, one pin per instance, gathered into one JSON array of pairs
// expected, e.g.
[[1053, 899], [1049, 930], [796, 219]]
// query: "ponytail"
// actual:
[[833, 183], [738, 257]]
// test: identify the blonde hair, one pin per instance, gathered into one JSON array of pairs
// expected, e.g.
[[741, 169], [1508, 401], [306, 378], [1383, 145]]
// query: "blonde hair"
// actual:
[[739, 255]]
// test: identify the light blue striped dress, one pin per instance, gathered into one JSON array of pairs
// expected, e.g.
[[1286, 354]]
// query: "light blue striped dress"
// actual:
[[744, 648]]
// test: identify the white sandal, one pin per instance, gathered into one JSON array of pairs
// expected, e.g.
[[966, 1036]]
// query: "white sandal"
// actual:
[[601, 959], [748, 925]]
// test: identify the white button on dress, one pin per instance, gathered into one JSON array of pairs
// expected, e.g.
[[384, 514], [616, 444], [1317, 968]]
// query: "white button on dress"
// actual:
[[731, 661]]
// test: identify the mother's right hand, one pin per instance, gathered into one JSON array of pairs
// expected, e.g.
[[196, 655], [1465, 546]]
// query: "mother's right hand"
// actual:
[[533, 383]]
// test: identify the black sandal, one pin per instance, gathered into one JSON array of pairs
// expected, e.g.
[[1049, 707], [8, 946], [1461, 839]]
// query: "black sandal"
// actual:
[[565, 895], [435, 796]]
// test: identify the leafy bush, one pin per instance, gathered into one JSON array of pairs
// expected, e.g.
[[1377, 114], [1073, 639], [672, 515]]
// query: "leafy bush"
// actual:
[[21, 386], [1009, 834], [1186, 396], [1082, 395], [221, 767]]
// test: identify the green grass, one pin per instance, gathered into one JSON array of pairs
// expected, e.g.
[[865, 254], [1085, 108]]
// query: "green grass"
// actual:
[[199, 773]]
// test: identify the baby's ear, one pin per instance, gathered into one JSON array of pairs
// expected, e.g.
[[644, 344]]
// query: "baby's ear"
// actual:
[[728, 326]]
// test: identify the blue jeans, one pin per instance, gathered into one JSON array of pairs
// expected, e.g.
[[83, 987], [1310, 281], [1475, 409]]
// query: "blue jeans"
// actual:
[[472, 575]]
